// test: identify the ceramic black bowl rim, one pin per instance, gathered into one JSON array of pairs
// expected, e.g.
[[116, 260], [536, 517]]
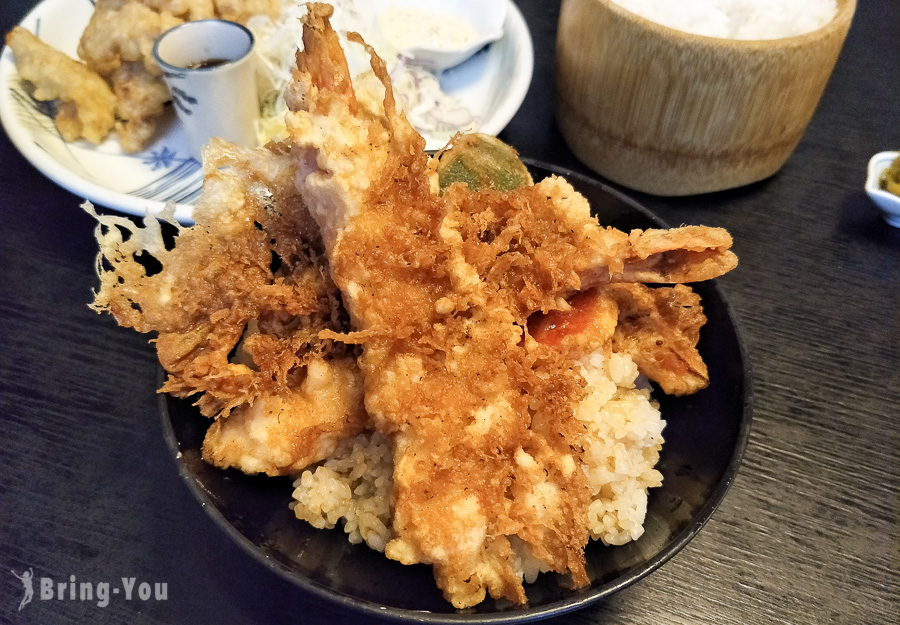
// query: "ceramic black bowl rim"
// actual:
[[526, 614]]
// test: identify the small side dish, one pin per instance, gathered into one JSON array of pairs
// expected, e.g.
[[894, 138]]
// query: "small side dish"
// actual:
[[883, 185], [490, 86], [890, 178], [439, 35]]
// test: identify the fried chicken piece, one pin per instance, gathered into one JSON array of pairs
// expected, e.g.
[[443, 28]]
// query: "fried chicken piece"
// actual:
[[188, 10], [117, 50], [118, 44], [122, 31], [141, 101], [238, 304], [85, 105]]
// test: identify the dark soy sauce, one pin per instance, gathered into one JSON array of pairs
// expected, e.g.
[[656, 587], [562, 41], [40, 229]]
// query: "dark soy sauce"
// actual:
[[206, 63]]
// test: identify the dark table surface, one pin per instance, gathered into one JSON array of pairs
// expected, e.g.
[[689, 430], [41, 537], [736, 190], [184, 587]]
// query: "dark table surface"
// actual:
[[807, 534]]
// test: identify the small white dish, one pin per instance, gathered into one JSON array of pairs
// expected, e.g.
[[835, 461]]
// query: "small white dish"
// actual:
[[887, 202], [492, 85], [437, 34]]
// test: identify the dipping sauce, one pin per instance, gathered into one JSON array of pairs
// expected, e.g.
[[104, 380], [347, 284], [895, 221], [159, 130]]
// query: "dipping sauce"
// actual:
[[207, 63], [409, 28]]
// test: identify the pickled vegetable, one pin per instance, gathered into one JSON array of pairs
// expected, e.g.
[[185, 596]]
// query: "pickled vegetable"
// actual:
[[890, 179], [482, 162]]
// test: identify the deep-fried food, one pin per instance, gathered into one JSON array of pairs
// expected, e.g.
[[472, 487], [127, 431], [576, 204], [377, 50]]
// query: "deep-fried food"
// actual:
[[282, 434], [334, 303], [482, 162], [439, 289], [187, 10], [658, 327], [242, 10], [237, 330], [86, 107], [447, 372], [686, 254], [118, 44], [122, 31], [142, 97]]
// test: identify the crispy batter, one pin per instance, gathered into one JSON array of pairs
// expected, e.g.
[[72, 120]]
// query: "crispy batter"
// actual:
[[686, 254], [118, 44], [481, 416], [281, 434], [86, 106], [660, 329], [439, 289], [187, 10], [238, 304], [121, 31], [242, 10], [340, 244]]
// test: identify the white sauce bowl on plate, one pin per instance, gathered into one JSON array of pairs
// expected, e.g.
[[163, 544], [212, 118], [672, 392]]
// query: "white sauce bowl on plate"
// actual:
[[438, 34]]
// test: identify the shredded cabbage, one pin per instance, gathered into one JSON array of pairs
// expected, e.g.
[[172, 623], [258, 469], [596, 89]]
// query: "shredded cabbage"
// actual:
[[433, 112]]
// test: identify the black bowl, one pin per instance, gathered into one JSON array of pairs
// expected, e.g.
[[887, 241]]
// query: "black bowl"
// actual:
[[706, 434]]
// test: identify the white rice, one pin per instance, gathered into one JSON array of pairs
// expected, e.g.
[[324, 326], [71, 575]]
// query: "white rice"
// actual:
[[353, 486], [737, 19], [624, 440]]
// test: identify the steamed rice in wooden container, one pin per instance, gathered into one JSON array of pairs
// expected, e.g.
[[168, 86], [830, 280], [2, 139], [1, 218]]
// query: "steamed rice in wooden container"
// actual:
[[670, 112]]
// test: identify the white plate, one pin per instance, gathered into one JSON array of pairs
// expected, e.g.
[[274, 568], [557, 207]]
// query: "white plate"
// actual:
[[492, 85]]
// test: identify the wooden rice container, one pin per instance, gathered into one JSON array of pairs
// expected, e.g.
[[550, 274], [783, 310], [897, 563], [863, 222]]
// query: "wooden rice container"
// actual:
[[671, 113]]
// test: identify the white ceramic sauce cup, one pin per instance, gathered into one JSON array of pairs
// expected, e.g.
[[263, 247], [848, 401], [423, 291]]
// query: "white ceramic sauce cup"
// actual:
[[210, 70]]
